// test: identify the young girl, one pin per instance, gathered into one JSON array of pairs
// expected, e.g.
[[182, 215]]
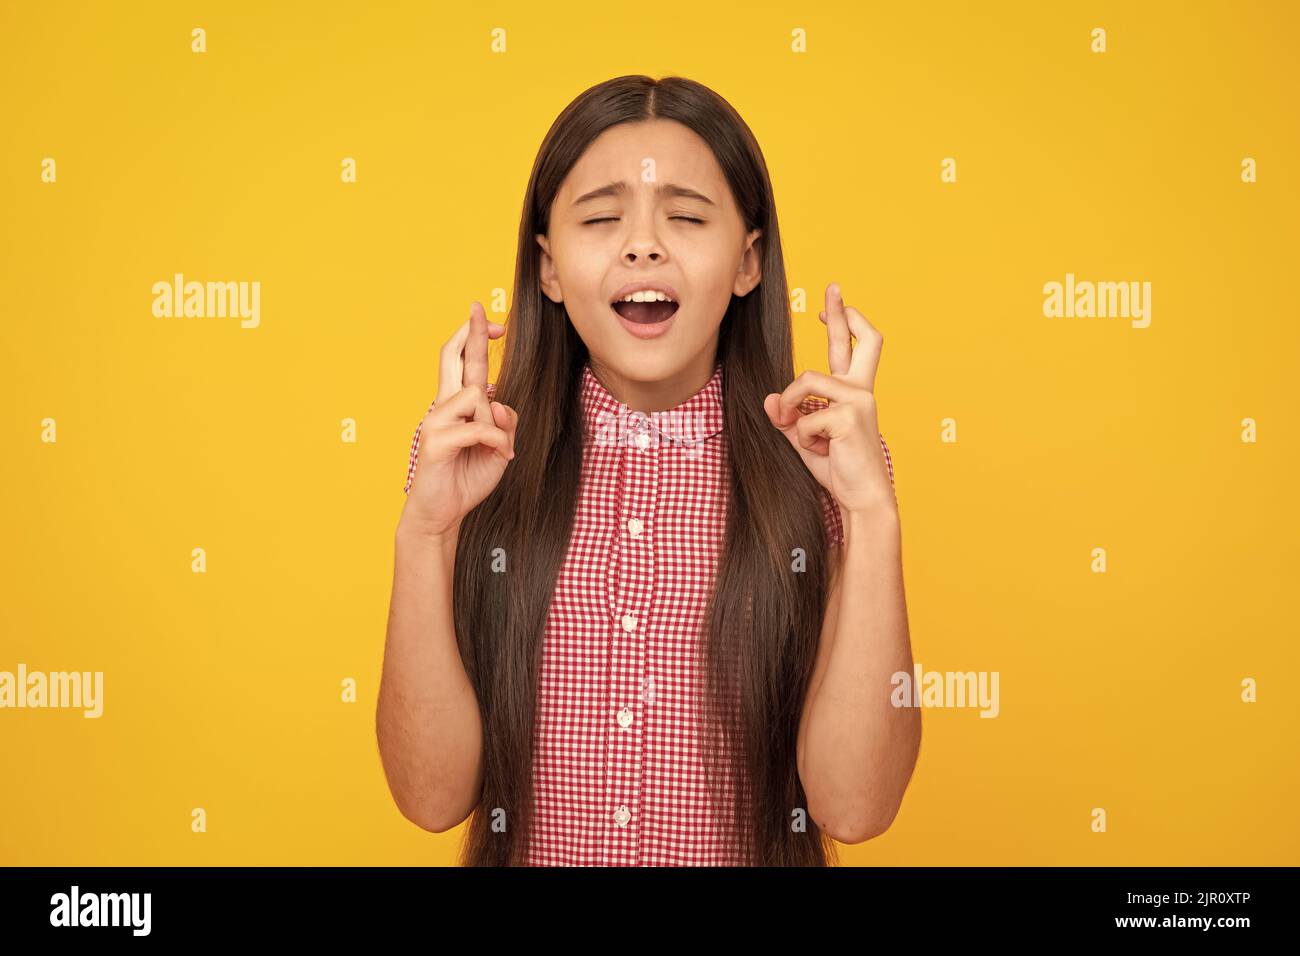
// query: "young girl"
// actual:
[[647, 598]]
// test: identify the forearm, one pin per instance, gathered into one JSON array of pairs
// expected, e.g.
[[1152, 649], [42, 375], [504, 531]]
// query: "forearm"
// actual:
[[859, 749], [427, 719]]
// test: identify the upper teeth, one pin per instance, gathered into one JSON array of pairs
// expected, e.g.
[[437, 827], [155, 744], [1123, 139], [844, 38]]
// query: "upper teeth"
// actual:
[[646, 296]]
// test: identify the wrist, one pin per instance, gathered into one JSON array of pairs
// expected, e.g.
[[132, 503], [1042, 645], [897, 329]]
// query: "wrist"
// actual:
[[873, 521], [416, 532]]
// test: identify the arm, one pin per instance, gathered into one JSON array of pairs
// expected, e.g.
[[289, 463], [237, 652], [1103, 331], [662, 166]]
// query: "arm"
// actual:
[[427, 720], [856, 750]]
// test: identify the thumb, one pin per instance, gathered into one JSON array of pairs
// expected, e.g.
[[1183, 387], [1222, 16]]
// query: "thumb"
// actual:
[[506, 418], [783, 419]]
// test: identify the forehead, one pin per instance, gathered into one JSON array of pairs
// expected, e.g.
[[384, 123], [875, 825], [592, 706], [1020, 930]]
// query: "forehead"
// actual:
[[621, 152]]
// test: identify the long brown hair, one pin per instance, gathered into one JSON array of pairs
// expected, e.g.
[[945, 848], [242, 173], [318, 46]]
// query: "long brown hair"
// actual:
[[764, 619]]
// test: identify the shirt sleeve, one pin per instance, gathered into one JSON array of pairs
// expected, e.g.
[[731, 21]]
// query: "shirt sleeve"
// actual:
[[414, 456], [830, 509]]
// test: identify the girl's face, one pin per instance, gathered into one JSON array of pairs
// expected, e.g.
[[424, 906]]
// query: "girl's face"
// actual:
[[647, 203]]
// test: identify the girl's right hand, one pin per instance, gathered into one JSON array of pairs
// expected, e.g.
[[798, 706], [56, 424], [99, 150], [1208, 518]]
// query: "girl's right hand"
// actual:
[[465, 441]]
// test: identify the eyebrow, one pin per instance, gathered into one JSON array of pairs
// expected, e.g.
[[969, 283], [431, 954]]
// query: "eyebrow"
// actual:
[[663, 189]]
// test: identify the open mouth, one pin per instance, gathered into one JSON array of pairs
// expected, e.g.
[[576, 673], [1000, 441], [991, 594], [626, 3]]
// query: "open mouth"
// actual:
[[645, 310]]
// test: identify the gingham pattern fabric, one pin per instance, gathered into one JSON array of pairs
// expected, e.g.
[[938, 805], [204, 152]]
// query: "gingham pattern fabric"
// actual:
[[618, 777]]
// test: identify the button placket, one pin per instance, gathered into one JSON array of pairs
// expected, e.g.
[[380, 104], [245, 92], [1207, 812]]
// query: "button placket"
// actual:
[[633, 588]]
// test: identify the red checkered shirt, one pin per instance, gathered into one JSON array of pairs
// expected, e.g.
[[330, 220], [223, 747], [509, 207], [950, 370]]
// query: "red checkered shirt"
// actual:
[[618, 776]]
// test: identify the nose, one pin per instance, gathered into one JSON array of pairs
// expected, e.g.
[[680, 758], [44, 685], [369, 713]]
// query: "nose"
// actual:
[[642, 242], [652, 254]]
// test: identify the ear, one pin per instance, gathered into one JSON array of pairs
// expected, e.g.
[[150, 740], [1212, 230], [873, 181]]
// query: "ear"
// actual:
[[546, 269], [751, 265]]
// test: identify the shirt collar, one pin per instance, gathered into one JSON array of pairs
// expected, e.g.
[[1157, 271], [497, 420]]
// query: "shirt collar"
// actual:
[[698, 418]]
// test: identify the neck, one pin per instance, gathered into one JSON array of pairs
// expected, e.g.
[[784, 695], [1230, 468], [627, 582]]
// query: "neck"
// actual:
[[660, 395]]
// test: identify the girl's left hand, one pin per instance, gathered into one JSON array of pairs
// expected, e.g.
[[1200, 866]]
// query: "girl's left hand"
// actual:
[[840, 444]]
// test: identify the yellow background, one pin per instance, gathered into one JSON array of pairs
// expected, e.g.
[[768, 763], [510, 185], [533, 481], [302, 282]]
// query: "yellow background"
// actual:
[[222, 690]]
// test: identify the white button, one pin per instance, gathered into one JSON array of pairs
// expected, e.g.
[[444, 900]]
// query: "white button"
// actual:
[[629, 622], [625, 718], [634, 527], [621, 816], [642, 441]]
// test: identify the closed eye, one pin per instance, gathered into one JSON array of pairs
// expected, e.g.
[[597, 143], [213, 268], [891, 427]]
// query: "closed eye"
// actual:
[[592, 222]]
